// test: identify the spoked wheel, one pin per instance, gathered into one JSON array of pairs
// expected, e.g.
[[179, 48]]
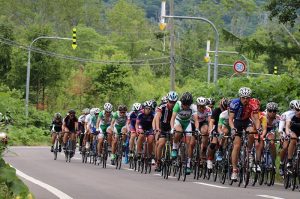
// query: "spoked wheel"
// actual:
[[261, 175], [270, 176], [222, 172], [142, 164], [253, 175], [55, 149], [205, 170], [216, 170], [287, 180], [179, 173]]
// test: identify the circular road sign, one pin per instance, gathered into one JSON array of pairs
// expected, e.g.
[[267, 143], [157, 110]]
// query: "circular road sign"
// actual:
[[239, 66]]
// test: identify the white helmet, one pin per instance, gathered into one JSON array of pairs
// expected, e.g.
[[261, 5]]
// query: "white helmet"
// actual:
[[292, 104], [108, 107], [164, 99], [201, 101], [245, 92], [136, 107], [297, 105], [272, 106], [92, 111], [148, 104], [97, 110], [86, 111], [172, 96]]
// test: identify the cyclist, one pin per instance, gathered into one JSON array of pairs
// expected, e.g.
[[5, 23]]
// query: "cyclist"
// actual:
[[118, 128], [131, 121], [144, 126], [69, 128], [81, 125], [241, 110], [92, 129], [164, 100], [183, 112], [284, 139], [293, 130], [204, 114], [162, 123], [56, 128], [213, 127], [86, 138], [103, 124]]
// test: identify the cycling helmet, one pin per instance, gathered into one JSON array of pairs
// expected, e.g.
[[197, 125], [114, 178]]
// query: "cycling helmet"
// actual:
[[108, 107], [86, 111], [72, 112], [297, 105], [148, 104], [164, 99], [186, 98], [272, 106], [224, 103], [92, 111], [201, 101], [97, 110], [245, 92], [210, 101], [154, 104], [57, 116], [136, 107], [292, 104], [122, 108], [172, 96]]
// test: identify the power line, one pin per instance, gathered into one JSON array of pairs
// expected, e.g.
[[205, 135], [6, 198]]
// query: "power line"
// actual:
[[62, 56]]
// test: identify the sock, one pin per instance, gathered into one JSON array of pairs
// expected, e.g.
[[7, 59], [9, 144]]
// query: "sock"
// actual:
[[175, 145], [189, 162]]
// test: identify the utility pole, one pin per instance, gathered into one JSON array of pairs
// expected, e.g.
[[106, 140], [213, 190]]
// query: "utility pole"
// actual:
[[172, 47]]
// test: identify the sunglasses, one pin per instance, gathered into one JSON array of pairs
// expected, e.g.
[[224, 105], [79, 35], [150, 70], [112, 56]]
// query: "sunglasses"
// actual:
[[272, 111], [245, 97], [298, 110]]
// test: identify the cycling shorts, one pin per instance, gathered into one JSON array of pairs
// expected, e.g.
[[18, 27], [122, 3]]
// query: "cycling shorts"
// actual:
[[186, 126]]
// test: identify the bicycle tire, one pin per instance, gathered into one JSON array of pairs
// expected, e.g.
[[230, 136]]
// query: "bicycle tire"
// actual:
[[184, 158], [246, 176], [216, 171], [222, 172], [55, 149], [287, 180]]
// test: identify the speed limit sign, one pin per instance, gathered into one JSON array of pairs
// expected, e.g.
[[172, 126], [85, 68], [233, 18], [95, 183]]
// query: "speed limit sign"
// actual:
[[239, 66]]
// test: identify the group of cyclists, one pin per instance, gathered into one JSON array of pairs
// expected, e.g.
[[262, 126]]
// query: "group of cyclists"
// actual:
[[181, 115]]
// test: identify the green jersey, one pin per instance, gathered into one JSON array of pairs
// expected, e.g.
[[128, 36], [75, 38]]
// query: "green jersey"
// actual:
[[120, 121], [183, 115]]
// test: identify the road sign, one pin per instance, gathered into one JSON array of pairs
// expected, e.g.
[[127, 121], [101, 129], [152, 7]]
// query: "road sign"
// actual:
[[239, 66]]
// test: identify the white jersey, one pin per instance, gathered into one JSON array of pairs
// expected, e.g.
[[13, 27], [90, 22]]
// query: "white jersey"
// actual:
[[286, 116], [202, 116], [81, 118], [88, 119]]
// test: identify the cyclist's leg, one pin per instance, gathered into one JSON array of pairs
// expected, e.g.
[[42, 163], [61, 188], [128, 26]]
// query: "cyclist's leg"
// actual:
[[236, 145], [73, 139], [292, 147], [124, 134], [161, 143], [100, 139], [177, 136], [141, 138], [188, 141], [211, 151], [271, 137], [114, 141], [109, 132], [150, 141], [131, 141], [204, 131], [259, 146]]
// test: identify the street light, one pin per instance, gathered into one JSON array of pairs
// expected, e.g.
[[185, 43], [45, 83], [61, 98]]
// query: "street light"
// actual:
[[217, 36], [28, 68]]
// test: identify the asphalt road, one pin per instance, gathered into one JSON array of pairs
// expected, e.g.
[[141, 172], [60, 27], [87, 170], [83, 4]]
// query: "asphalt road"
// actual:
[[49, 179]]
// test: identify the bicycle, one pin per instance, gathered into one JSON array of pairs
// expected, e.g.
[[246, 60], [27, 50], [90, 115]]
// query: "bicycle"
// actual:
[[225, 166], [145, 160], [268, 171], [196, 156], [119, 152], [104, 157], [166, 161], [69, 152], [56, 145], [293, 174]]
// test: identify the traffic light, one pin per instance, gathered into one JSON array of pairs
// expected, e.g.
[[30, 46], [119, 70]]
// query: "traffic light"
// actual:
[[275, 70], [74, 42]]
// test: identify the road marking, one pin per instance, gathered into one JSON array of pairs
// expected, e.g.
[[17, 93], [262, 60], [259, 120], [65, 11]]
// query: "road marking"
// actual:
[[210, 185], [267, 196], [51, 189]]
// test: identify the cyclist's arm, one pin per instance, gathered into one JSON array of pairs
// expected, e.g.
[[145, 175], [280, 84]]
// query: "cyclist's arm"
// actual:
[[211, 124], [195, 116], [157, 120], [112, 124], [172, 123], [153, 122], [256, 120], [287, 127], [98, 123], [231, 117], [264, 126]]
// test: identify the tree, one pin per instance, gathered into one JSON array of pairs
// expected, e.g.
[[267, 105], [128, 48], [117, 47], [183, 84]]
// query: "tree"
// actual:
[[287, 11]]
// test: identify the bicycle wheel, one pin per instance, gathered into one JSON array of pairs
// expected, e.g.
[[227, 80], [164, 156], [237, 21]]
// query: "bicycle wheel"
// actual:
[[105, 154], [271, 176], [287, 182], [216, 170], [295, 175], [55, 148], [184, 161], [179, 172], [246, 172], [222, 171], [253, 175]]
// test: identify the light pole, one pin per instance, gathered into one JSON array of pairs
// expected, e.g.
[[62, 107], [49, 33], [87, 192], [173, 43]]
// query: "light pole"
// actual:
[[28, 68], [217, 36]]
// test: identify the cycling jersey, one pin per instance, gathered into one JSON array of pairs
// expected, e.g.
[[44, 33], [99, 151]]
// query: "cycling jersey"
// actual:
[[145, 121], [224, 118], [81, 121], [70, 123], [56, 125], [166, 115], [183, 115], [215, 116], [105, 122], [243, 112], [120, 122], [283, 118], [202, 116], [132, 116], [295, 125], [272, 125]]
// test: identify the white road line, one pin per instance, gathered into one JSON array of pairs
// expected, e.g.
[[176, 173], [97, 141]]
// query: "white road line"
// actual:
[[51, 189], [267, 196], [210, 185]]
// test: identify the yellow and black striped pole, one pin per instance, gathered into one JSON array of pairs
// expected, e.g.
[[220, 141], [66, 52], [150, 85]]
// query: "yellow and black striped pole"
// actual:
[[74, 43], [275, 70]]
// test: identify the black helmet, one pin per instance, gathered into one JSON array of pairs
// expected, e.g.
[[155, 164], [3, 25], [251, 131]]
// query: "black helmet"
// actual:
[[122, 108], [57, 116], [186, 98], [154, 104], [224, 103], [210, 101], [72, 111]]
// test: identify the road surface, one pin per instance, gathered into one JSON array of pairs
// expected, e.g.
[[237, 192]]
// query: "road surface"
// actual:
[[49, 179]]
